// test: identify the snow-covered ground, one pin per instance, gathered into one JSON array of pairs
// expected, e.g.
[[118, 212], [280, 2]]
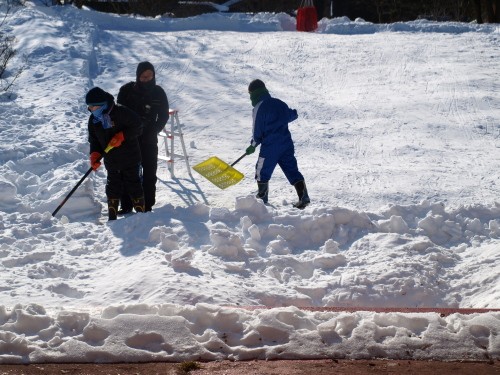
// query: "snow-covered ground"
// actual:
[[397, 137]]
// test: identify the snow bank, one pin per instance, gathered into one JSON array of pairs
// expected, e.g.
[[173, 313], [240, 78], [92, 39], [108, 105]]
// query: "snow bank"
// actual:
[[168, 332]]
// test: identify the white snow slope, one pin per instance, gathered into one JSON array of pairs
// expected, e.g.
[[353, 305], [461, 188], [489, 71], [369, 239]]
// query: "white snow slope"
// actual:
[[397, 137]]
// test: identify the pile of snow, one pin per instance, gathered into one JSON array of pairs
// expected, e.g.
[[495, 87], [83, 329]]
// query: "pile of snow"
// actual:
[[168, 332], [397, 137]]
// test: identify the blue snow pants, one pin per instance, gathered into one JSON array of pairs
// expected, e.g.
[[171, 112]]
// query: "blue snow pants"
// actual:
[[287, 162]]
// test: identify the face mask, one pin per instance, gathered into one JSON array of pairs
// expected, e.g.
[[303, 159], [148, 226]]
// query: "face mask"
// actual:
[[99, 111], [256, 95], [147, 86], [103, 118]]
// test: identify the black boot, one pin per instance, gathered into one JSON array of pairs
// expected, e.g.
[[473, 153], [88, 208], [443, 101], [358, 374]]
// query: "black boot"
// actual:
[[124, 211], [263, 191], [304, 199], [138, 204], [125, 205], [113, 208]]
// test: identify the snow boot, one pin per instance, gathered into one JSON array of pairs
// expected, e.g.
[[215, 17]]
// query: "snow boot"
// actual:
[[113, 208], [125, 205], [304, 199], [138, 204], [263, 191], [124, 211]]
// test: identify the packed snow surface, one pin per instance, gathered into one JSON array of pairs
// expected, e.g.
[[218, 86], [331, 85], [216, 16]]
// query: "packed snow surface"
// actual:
[[398, 140]]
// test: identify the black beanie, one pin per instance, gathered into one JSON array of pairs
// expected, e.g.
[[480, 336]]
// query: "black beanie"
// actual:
[[255, 84], [98, 96], [142, 67]]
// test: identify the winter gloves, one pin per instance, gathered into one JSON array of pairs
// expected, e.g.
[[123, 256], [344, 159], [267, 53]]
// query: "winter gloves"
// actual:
[[117, 140], [250, 150], [94, 160]]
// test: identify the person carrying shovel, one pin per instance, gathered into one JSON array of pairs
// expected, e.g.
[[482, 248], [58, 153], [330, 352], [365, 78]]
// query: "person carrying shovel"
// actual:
[[270, 129], [113, 132]]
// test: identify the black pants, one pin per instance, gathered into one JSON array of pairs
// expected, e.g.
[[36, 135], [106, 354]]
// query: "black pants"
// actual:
[[124, 182], [149, 154]]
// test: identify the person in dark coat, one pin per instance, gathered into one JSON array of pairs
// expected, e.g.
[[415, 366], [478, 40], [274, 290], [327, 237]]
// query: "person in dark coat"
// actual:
[[149, 100], [113, 136], [270, 129]]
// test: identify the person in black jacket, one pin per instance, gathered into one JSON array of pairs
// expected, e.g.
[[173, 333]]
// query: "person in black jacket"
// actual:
[[113, 136], [149, 100]]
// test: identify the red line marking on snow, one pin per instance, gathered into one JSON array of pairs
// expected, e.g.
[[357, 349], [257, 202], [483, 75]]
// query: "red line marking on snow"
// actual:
[[443, 311]]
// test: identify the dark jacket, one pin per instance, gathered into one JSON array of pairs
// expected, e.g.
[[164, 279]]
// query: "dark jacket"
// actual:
[[129, 153], [150, 104], [270, 126]]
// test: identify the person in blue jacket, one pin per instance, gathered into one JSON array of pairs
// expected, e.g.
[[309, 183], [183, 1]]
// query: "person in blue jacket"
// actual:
[[270, 130]]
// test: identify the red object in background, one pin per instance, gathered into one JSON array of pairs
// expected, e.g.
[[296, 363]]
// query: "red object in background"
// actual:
[[307, 18]]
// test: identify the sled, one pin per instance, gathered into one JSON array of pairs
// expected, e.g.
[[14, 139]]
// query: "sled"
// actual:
[[219, 173]]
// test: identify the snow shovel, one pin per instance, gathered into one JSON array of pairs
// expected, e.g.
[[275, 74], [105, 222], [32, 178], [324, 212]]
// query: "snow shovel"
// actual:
[[220, 173], [78, 184]]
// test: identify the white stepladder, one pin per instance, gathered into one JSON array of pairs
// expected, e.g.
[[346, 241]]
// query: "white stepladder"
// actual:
[[169, 134]]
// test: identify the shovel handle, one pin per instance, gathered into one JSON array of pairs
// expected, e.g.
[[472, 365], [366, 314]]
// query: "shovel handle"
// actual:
[[79, 183], [241, 157]]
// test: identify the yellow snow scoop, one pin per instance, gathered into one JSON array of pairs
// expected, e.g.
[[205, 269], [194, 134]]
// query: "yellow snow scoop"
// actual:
[[219, 173]]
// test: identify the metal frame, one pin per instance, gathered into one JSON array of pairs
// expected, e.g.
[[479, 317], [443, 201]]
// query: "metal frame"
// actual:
[[168, 135]]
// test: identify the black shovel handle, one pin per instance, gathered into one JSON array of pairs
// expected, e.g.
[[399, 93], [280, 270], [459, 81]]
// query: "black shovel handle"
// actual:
[[241, 157], [78, 184], [71, 192]]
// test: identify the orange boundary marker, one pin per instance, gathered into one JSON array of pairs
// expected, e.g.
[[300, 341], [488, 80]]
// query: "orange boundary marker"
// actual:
[[442, 311]]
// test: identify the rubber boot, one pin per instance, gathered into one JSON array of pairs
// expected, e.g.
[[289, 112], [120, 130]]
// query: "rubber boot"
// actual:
[[304, 199], [263, 191], [138, 204], [125, 205], [113, 208]]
